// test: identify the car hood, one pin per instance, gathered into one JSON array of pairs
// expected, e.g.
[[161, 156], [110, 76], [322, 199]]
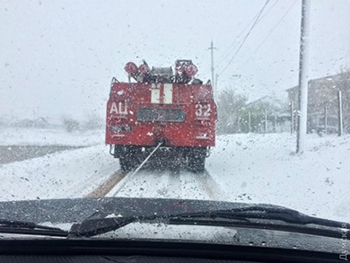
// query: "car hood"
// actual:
[[63, 211]]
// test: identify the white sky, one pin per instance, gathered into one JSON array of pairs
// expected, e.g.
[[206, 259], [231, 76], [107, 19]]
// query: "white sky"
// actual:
[[58, 57]]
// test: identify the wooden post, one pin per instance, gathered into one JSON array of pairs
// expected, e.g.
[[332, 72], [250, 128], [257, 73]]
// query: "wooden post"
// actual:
[[265, 121], [249, 122], [291, 117], [340, 114], [325, 119]]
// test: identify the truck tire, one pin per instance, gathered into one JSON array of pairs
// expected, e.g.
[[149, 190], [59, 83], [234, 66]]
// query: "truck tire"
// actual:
[[125, 164], [196, 160], [197, 165]]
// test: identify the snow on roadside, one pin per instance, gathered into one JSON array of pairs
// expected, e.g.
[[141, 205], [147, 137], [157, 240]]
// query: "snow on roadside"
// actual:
[[66, 174], [259, 168], [44, 137]]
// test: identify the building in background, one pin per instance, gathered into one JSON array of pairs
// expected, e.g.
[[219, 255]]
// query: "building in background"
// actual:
[[323, 103], [267, 114]]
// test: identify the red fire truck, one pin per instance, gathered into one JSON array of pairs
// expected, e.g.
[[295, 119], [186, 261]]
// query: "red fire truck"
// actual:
[[173, 111]]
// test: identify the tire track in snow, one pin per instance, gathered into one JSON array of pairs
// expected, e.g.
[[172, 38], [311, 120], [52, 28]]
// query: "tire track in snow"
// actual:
[[79, 188], [174, 188], [146, 183], [104, 188], [211, 187], [160, 184]]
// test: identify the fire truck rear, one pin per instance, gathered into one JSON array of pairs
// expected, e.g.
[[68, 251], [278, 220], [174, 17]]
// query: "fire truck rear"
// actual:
[[174, 112]]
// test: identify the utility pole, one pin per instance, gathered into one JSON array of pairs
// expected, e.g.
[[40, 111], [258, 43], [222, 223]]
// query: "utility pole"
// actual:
[[340, 114], [249, 122], [212, 68], [325, 119], [303, 82], [265, 122], [216, 80], [291, 117]]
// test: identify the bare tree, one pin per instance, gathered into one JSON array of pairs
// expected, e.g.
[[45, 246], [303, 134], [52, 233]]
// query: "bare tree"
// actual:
[[93, 122], [70, 124], [230, 108]]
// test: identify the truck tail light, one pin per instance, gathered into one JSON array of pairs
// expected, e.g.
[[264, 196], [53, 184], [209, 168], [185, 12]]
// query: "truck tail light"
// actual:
[[118, 121], [203, 123]]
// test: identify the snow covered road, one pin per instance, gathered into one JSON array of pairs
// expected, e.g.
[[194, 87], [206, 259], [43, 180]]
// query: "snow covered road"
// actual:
[[166, 184], [252, 168]]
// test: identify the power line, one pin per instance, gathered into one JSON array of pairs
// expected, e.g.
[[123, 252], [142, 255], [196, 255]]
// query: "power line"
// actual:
[[271, 31], [268, 11], [246, 36], [235, 41], [223, 55]]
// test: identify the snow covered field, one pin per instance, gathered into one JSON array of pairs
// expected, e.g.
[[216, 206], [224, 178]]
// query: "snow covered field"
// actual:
[[265, 169], [28, 136], [251, 168]]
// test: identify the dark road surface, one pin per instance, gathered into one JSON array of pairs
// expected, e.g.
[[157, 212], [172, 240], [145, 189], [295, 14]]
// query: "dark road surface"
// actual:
[[9, 154]]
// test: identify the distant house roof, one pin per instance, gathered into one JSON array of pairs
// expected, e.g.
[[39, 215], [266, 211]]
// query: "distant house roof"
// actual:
[[329, 77], [272, 101]]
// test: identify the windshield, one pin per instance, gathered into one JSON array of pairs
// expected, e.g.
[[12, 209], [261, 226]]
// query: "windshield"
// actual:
[[235, 101]]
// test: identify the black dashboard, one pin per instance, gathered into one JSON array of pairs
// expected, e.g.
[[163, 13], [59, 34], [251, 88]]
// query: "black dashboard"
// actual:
[[75, 251]]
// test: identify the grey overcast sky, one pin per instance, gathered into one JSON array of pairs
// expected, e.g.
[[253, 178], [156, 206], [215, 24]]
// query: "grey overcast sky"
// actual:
[[58, 57]]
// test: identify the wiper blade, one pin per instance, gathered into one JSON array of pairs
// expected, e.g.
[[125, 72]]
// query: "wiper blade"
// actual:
[[29, 228], [256, 216], [269, 212]]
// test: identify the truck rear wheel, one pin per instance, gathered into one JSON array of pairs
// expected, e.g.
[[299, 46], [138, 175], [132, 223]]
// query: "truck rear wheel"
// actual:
[[197, 165], [125, 163], [196, 160]]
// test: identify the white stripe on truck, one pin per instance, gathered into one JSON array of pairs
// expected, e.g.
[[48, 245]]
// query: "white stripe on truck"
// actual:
[[155, 93], [162, 93], [168, 93]]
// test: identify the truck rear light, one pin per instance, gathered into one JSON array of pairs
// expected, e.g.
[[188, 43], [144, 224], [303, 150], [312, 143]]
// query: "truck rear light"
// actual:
[[204, 123], [118, 121]]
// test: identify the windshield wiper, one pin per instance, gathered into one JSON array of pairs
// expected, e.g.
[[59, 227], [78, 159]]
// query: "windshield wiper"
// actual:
[[30, 228], [256, 216]]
